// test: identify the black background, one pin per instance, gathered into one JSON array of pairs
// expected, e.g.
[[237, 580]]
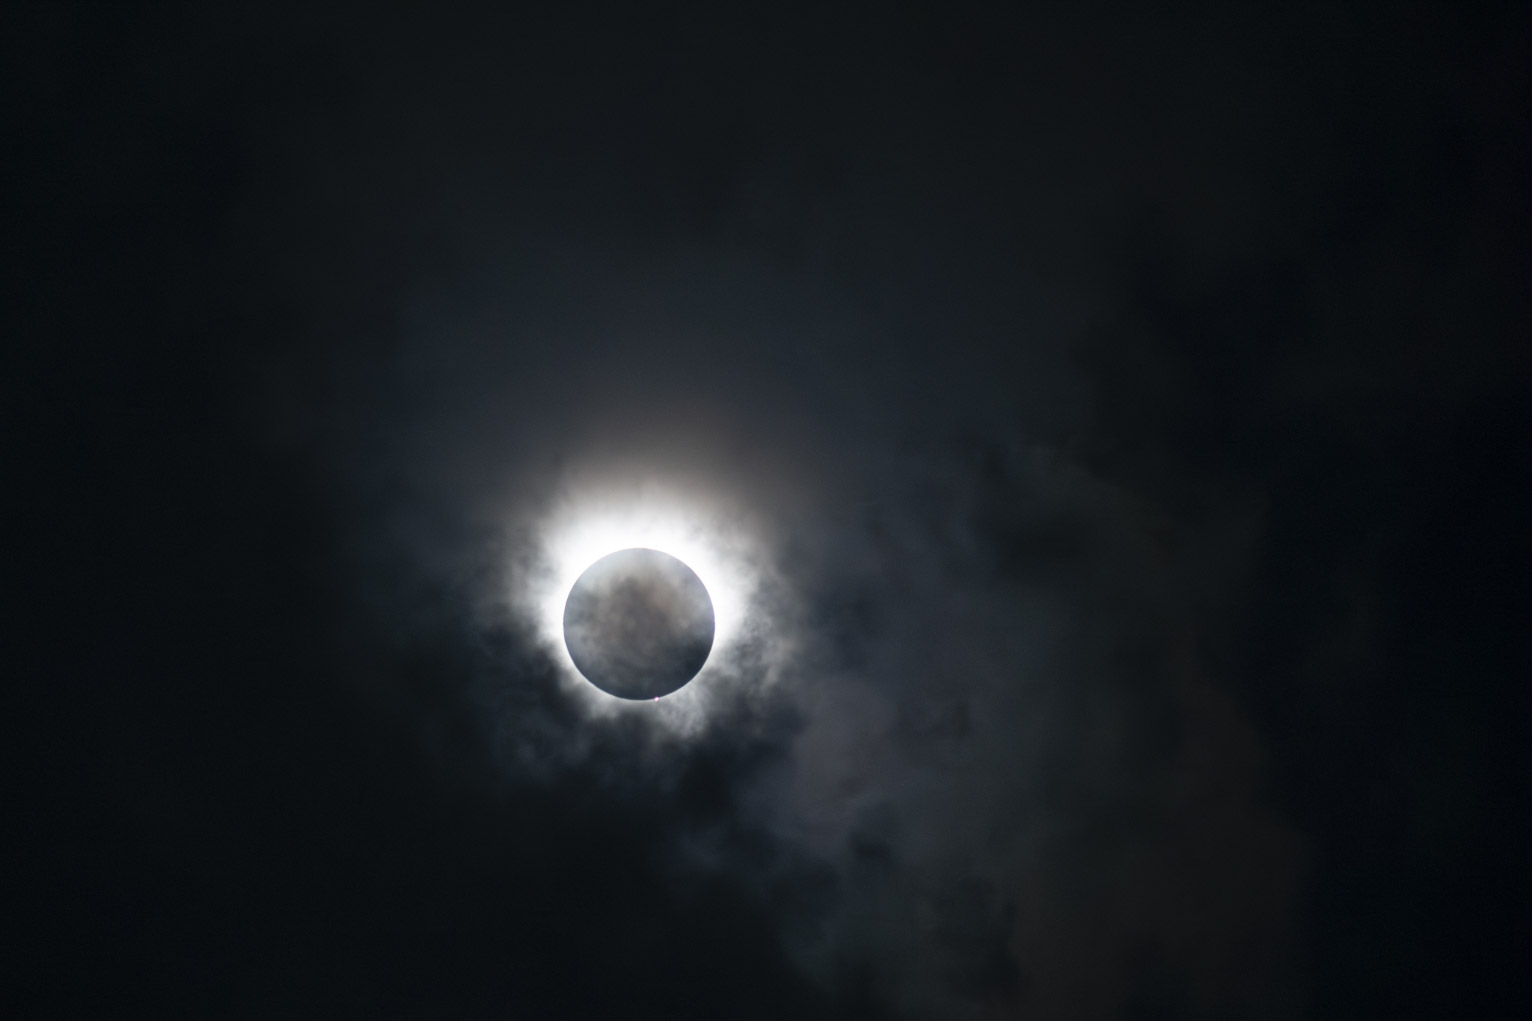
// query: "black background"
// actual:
[[1259, 277]]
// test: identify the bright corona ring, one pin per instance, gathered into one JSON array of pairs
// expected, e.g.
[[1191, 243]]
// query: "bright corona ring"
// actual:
[[641, 596]]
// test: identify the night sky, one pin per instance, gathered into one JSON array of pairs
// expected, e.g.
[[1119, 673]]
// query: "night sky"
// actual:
[[1103, 428]]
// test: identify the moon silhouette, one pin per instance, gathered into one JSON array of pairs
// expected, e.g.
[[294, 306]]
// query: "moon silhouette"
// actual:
[[638, 624]]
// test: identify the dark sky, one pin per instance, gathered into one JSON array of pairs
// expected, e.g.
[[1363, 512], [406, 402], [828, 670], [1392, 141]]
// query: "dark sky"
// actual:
[[1118, 413]]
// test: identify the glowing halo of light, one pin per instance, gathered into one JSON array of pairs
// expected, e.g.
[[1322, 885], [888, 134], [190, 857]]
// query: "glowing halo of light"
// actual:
[[583, 531]]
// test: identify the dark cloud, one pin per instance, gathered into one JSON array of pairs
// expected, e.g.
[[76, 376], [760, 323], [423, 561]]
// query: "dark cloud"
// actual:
[[1119, 418]]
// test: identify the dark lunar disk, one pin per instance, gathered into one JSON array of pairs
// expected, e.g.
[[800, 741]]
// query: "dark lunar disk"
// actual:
[[638, 624]]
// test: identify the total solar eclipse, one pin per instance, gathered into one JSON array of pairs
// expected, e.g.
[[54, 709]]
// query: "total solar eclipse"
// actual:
[[639, 624]]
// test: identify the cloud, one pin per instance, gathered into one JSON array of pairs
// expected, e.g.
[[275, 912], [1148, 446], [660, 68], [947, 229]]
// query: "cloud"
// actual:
[[1014, 375], [976, 755]]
